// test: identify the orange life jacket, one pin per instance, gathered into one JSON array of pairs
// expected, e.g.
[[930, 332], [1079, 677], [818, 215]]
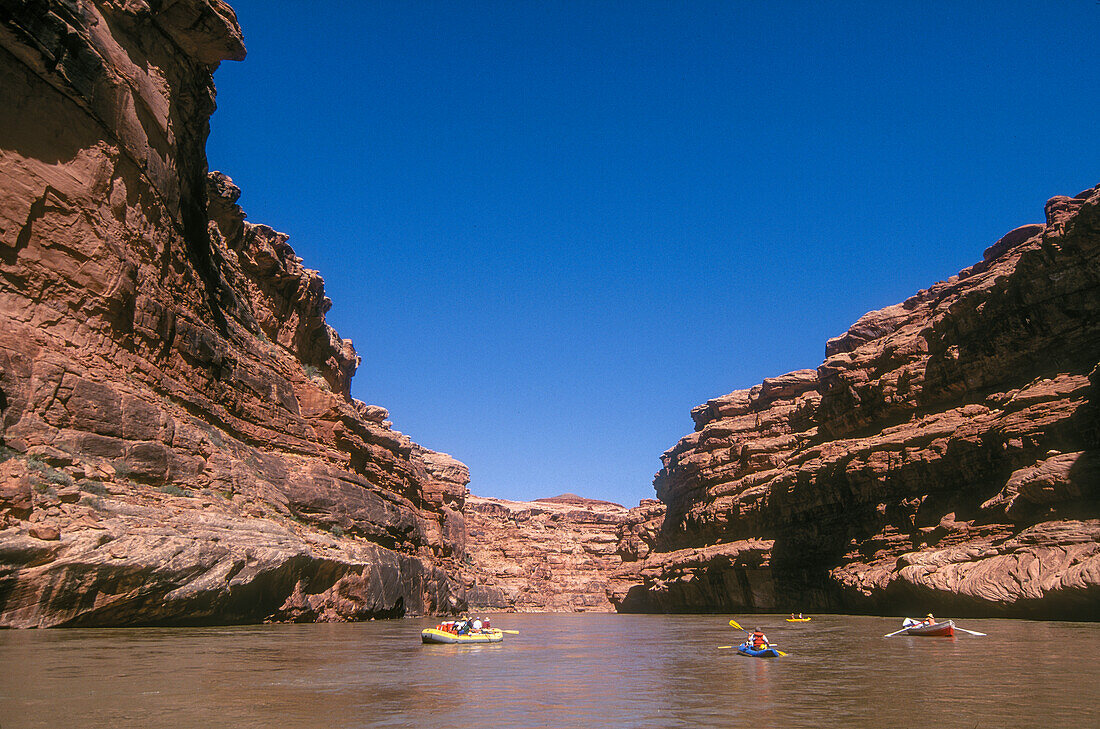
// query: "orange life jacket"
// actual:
[[758, 640]]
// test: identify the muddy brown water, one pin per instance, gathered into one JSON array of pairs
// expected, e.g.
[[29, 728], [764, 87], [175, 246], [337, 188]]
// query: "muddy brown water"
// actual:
[[561, 671]]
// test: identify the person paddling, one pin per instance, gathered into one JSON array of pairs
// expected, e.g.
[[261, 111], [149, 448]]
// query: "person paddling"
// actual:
[[759, 640], [929, 619]]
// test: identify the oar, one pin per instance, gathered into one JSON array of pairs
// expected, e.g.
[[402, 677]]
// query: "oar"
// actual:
[[905, 625], [510, 632], [734, 624], [972, 632]]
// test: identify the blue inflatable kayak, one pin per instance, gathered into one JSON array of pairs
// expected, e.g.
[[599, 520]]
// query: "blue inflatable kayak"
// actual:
[[747, 650]]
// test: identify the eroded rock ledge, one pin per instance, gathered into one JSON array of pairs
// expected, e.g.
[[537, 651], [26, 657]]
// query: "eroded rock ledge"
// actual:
[[179, 443], [945, 455]]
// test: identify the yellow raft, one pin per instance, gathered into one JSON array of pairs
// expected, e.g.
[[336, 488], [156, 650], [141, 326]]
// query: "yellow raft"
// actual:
[[798, 620], [435, 635]]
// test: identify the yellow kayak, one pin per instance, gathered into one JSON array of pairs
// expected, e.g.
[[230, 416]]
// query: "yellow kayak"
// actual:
[[798, 620], [435, 635]]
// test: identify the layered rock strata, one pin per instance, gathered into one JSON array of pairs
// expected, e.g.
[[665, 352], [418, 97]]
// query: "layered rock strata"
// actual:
[[179, 442], [547, 555], [945, 455]]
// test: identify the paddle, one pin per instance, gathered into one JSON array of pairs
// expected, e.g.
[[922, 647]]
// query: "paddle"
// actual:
[[734, 624], [510, 632], [972, 632]]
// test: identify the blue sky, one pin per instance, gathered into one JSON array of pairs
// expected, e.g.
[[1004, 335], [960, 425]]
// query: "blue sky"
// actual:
[[553, 228]]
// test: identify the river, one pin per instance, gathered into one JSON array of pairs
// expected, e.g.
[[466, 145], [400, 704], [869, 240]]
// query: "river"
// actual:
[[561, 671]]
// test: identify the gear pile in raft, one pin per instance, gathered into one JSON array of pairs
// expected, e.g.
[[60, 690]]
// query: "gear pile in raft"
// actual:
[[467, 630]]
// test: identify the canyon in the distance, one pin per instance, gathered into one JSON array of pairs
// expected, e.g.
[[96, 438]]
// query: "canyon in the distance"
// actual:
[[179, 443]]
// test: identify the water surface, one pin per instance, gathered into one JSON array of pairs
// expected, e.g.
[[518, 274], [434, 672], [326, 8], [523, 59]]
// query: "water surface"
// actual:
[[562, 671]]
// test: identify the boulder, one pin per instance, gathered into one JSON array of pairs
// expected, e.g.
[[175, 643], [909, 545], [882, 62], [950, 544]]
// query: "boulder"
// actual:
[[16, 497]]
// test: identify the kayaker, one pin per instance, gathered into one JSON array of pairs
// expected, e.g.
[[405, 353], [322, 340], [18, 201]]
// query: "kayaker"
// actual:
[[759, 640]]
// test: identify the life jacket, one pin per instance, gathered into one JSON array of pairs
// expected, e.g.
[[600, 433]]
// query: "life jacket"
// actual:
[[758, 640]]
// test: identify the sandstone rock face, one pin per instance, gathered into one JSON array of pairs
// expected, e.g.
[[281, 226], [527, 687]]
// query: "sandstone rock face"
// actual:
[[946, 455], [552, 555], [638, 532], [179, 443]]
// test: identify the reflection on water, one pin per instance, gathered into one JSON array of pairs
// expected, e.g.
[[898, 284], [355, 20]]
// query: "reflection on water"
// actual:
[[562, 671]]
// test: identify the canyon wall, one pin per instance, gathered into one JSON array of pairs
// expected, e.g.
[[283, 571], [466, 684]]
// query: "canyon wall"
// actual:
[[945, 456], [547, 555], [179, 444]]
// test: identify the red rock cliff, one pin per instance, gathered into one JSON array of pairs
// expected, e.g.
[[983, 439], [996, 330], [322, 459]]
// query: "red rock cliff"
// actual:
[[179, 444], [553, 555], [946, 455]]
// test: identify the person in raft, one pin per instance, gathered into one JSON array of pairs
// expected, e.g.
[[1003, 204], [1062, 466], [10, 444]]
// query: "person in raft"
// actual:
[[759, 640], [929, 620]]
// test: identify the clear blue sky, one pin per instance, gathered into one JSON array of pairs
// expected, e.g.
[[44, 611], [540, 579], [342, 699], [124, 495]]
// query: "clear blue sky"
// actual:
[[552, 228]]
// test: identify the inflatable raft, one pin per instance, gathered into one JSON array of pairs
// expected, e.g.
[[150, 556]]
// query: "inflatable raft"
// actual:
[[438, 635], [798, 620], [747, 650]]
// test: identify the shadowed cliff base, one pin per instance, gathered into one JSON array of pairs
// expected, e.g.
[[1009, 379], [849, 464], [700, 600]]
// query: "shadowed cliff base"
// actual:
[[943, 456]]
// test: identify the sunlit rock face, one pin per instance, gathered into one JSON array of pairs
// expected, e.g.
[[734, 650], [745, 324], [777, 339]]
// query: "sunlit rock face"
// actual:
[[547, 555], [945, 455], [179, 442]]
